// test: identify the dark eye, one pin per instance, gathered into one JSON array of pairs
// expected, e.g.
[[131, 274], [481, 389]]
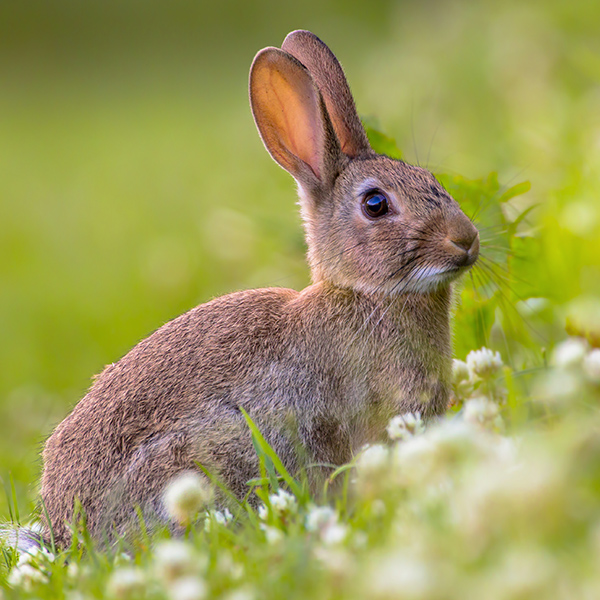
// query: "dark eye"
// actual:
[[375, 205]]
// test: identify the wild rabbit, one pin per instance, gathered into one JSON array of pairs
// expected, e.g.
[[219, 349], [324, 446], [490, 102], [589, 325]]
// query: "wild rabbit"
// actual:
[[320, 371]]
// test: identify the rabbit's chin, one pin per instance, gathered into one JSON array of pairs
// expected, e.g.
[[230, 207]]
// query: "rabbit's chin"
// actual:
[[430, 279], [424, 280]]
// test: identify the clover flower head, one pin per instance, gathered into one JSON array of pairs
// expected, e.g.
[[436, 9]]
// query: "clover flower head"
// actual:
[[396, 574], [222, 517], [483, 363], [460, 371], [188, 588], [591, 365], [174, 559], [334, 534], [482, 412], [373, 459], [273, 534], [25, 576], [283, 503], [127, 583], [569, 353], [319, 517], [402, 427], [186, 495]]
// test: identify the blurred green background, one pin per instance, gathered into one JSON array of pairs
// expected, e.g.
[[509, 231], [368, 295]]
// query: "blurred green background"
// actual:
[[133, 184]]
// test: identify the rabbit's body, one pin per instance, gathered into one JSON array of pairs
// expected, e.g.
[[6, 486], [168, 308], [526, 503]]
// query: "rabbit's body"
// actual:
[[175, 399], [320, 371]]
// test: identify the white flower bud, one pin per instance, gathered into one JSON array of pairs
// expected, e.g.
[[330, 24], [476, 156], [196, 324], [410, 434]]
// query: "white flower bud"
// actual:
[[405, 426], [25, 576], [174, 559], [373, 459], [460, 371], [188, 588], [569, 353], [127, 583], [483, 363], [319, 517], [591, 365], [482, 412], [186, 495], [283, 503]]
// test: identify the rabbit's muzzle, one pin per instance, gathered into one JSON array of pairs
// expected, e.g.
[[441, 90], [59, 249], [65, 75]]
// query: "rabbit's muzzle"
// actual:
[[462, 242]]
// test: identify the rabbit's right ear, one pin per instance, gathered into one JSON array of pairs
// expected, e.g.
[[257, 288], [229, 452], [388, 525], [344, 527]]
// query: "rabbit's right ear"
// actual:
[[292, 118], [329, 76]]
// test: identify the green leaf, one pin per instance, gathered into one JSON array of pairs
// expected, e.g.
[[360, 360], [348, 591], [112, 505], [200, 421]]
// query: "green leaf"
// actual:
[[515, 190], [382, 143], [266, 449]]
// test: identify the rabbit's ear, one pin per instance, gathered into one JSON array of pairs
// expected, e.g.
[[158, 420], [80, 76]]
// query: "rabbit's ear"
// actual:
[[331, 81], [292, 119]]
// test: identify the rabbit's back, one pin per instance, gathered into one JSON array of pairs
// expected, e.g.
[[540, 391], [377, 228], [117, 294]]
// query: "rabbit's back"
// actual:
[[172, 400]]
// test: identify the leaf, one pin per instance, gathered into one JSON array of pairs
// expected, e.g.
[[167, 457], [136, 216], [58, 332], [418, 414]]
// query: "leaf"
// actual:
[[512, 228], [515, 190], [265, 448], [382, 143]]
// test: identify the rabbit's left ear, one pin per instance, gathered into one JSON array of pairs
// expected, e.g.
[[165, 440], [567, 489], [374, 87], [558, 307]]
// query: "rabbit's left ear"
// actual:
[[329, 76], [292, 119]]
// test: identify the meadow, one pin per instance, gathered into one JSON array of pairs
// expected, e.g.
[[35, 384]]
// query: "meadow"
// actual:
[[134, 186]]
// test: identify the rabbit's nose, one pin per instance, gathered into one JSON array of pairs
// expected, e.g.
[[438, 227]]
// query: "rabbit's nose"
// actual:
[[463, 242], [466, 243]]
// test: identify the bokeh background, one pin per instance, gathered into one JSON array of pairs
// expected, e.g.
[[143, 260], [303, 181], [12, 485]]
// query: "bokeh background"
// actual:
[[133, 185]]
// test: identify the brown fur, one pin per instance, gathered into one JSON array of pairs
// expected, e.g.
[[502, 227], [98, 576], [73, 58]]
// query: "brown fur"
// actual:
[[320, 371]]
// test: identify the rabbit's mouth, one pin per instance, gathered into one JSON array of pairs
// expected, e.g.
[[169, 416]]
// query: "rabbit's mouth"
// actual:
[[430, 278]]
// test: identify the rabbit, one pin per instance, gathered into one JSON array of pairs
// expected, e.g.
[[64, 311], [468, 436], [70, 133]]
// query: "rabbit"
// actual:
[[320, 371]]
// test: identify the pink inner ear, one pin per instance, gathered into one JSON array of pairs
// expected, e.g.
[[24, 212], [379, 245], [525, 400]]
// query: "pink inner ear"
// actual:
[[300, 124], [288, 104]]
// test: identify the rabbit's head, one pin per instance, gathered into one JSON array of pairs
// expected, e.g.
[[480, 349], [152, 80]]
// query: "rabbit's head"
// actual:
[[374, 224]]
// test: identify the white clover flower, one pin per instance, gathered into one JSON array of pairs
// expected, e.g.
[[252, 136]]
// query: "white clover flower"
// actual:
[[401, 576], [186, 495], [283, 503], [174, 559], [460, 371], [405, 426], [73, 570], [319, 517], [482, 412], [569, 353], [558, 386], [373, 459], [36, 555], [324, 520], [335, 559], [127, 583], [243, 593], [263, 512], [591, 365], [274, 536], [525, 573], [483, 363], [26, 576], [494, 494], [187, 588], [30, 568], [415, 460], [334, 534], [222, 518]]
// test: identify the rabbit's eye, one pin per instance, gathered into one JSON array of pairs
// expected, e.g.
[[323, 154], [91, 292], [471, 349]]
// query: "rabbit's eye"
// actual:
[[375, 205]]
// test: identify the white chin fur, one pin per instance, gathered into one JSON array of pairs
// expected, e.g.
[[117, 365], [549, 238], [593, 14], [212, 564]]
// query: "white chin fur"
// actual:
[[428, 279]]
